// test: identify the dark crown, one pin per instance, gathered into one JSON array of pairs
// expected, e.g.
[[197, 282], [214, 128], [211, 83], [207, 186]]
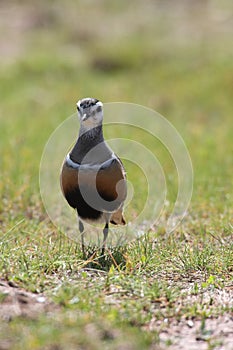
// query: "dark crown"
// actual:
[[88, 102]]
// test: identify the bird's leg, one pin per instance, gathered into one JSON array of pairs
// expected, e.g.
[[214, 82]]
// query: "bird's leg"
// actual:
[[105, 232], [81, 230]]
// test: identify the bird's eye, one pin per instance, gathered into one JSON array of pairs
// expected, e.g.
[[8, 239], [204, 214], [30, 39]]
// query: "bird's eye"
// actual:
[[78, 108], [98, 109]]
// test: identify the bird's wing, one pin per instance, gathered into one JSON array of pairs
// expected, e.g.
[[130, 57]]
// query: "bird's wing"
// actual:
[[111, 180]]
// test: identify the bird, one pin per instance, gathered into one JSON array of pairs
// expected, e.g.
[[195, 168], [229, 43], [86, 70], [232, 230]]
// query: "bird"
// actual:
[[93, 178]]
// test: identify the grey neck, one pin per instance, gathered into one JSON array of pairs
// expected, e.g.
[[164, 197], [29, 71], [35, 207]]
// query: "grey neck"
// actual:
[[87, 140]]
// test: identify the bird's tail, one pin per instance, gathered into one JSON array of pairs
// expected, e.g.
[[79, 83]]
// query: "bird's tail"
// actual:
[[117, 218]]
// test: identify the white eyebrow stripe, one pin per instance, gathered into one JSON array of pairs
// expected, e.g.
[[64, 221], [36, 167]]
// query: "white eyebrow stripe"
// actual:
[[74, 165], [99, 103]]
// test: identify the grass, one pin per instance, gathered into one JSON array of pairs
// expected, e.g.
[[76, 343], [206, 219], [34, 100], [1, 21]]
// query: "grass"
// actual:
[[118, 301]]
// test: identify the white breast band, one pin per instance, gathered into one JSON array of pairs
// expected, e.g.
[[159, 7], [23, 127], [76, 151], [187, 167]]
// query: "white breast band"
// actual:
[[74, 165]]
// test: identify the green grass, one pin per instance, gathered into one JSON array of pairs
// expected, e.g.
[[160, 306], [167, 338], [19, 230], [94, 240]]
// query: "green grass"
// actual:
[[111, 302]]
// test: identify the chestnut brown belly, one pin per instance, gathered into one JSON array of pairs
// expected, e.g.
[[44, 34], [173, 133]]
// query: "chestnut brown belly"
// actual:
[[93, 194]]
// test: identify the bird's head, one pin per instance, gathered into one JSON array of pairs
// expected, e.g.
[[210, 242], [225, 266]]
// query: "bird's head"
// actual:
[[90, 112]]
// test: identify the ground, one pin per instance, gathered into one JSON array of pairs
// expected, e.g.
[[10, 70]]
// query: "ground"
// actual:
[[157, 292]]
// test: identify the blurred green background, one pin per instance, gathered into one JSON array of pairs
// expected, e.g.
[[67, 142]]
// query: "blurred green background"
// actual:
[[172, 56]]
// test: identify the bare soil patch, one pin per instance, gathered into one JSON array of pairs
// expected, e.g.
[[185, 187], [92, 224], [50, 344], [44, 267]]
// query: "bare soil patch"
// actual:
[[192, 334], [16, 301]]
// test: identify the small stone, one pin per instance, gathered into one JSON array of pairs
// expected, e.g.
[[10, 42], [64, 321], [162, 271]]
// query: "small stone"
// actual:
[[41, 299], [190, 323], [74, 300]]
